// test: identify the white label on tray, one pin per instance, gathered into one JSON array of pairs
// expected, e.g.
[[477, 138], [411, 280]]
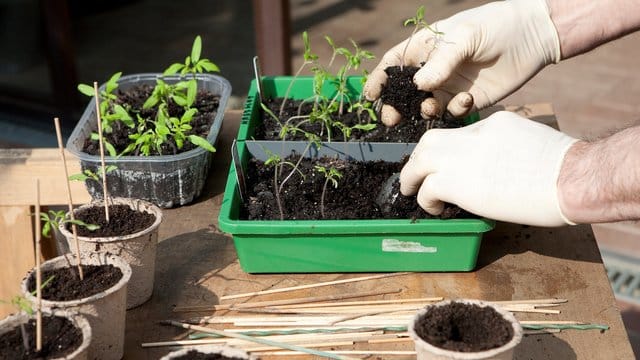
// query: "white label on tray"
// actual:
[[395, 245]]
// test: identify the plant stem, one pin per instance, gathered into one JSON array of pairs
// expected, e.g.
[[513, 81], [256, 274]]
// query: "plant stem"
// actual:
[[286, 94], [324, 191], [277, 191], [406, 46], [25, 338]]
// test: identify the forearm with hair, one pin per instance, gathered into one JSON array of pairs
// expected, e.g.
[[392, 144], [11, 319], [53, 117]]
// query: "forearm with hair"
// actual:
[[583, 25], [600, 181]]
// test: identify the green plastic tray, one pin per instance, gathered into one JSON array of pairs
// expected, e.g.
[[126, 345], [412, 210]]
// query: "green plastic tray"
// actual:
[[301, 246], [276, 86]]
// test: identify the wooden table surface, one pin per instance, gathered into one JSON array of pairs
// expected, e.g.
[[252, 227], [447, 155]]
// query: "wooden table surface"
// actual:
[[197, 263]]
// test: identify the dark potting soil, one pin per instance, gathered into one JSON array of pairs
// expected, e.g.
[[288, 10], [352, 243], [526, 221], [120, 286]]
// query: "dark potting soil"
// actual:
[[59, 338], [66, 284], [206, 102], [355, 197], [464, 328], [400, 92], [122, 221], [197, 355]]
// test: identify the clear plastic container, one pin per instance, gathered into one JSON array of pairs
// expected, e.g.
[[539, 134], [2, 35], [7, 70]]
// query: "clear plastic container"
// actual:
[[165, 180]]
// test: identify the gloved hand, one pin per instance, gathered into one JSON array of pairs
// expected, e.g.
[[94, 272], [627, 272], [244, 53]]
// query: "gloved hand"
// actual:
[[489, 51], [505, 168]]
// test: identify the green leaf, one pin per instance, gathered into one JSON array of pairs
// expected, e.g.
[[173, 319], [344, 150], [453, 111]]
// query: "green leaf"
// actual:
[[173, 69], [123, 116], [152, 101], [209, 66], [86, 90], [110, 149], [420, 13], [78, 177], [196, 49], [112, 84], [201, 142], [365, 127], [192, 92]]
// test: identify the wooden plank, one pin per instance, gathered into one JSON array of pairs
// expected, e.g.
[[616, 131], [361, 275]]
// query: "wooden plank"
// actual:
[[272, 22], [20, 166], [16, 251]]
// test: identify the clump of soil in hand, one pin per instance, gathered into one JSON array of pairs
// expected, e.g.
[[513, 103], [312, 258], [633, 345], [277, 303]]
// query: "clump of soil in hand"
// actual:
[[464, 328], [59, 339], [196, 355], [355, 197], [66, 284], [134, 97], [122, 221], [402, 93]]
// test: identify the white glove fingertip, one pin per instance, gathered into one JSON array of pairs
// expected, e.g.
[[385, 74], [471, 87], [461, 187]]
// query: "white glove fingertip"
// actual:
[[461, 104], [389, 115], [427, 198], [430, 108], [373, 87]]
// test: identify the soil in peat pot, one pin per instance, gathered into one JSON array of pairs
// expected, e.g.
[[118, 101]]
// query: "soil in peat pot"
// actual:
[[65, 283], [196, 355], [134, 97], [354, 198], [399, 92], [122, 221], [464, 328], [59, 338]]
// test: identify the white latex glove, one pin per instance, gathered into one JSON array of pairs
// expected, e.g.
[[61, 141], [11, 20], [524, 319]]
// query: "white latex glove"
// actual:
[[489, 51], [504, 167]]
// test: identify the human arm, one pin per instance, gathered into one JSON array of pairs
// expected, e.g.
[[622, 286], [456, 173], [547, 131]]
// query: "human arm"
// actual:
[[513, 169], [599, 181], [492, 50]]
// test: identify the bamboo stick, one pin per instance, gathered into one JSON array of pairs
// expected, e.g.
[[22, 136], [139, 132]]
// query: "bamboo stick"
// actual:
[[308, 286], [365, 302], [38, 271], [74, 228], [257, 340], [298, 339], [342, 352], [274, 303], [101, 143], [309, 345], [530, 301]]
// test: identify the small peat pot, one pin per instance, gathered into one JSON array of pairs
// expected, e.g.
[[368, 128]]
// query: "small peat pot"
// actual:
[[65, 335], [464, 330], [208, 352], [131, 233], [100, 296]]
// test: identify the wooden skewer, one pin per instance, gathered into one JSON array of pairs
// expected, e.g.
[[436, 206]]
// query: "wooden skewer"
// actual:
[[274, 303], [38, 272], [258, 340], [342, 352], [367, 302], [74, 228], [530, 301], [101, 143], [308, 286]]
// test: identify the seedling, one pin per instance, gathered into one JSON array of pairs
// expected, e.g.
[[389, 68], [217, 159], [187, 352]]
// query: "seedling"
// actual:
[[352, 61], [418, 23], [154, 135], [309, 59], [52, 220], [87, 174], [22, 304], [193, 64], [332, 175], [278, 164], [326, 110]]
